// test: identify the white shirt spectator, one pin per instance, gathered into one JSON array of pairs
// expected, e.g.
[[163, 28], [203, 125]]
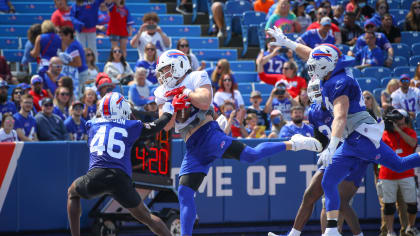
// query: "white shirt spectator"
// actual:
[[220, 97], [146, 38], [409, 101], [10, 137]]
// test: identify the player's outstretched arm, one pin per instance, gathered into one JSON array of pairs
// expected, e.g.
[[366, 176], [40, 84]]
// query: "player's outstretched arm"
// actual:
[[166, 112], [282, 40]]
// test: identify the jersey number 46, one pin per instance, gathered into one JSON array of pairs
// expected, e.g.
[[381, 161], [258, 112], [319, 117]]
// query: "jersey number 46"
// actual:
[[97, 144]]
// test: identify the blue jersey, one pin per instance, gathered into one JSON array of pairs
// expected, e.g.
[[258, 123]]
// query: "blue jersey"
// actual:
[[77, 130], [62, 115], [91, 112], [76, 49], [7, 108], [320, 119], [28, 124], [381, 41], [50, 43], [285, 106], [151, 70], [311, 38], [291, 129], [110, 142], [48, 83], [374, 57], [275, 64]]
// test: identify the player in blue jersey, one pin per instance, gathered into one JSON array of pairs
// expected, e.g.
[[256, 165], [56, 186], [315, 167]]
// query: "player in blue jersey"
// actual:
[[362, 134], [205, 141], [111, 138]]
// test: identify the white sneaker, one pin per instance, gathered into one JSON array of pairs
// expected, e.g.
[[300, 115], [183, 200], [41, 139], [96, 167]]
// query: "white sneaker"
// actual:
[[392, 234], [220, 34], [331, 232], [413, 231], [301, 142], [271, 234]]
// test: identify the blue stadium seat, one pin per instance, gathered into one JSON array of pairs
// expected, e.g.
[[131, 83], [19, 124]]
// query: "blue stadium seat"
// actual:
[[103, 43], [368, 83], [15, 30], [376, 71], [384, 81], [399, 61], [182, 30], [13, 55], [398, 71], [250, 25], [410, 37], [377, 94], [242, 65], [244, 88], [393, 4], [132, 55], [164, 19], [215, 54], [263, 88], [100, 65], [198, 42], [398, 14], [33, 68], [24, 18], [242, 77], [34, 7], [125, 89], [356, 72], [9, 43], [406, 4], [401, 49], [233, 14], [415, 49], [343, 48], [414, 60]]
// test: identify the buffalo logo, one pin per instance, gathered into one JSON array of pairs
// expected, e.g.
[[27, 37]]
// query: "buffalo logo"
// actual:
[[318, 55], [222, 144], [377, 157]]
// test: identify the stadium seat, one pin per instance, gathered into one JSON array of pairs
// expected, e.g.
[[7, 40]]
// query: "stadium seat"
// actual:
[[242, 77], [399, 61], [33, 68], [414, 60], [250, 25], [13, 55], [24, 18], [215, 54], [34, 7], [377, 95], [398, 14], [343, 48], [393, 4], [132, 55], [401, 49], [9, 43], [410, 37], [263, 88], [406, 4], [398, 71], [356, 73], [182, 30], [245, 88], [242, 65], [164, 19], [415, 49], [384, 82], [15, 30], [368, 83], [233, 14], [198, 42], [376, 71]]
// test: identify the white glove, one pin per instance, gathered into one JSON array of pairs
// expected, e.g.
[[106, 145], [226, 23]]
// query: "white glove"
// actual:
[[281, 39], [325, 157], [168, 108], [65, 57]]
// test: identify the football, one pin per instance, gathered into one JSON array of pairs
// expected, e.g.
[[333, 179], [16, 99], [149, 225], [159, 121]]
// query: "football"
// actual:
[[183, 115]]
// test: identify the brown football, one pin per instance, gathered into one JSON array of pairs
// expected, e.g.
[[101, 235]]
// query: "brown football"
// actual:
[[183, 115]]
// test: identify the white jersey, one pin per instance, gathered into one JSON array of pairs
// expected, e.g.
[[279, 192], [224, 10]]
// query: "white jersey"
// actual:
[[192, 81], [220, 98], [409, 101], [10, 137], [156, 39]]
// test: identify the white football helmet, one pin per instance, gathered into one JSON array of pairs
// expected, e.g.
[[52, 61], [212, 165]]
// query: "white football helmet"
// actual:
[[314, 91], [179, 65], [322, 60], [114, 106]]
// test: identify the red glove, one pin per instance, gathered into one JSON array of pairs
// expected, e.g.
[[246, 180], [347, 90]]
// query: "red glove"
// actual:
[[175, 92], [180, 102]]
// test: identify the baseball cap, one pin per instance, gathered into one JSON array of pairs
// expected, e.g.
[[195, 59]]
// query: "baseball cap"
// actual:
[[403, 112], [281, 83], [275, 112], [310, 8], [36, 79], [369, 22], [325, 21], [23, 86], [76, 103], [46, 101], [3, 83], [405, 77], [255, 93]]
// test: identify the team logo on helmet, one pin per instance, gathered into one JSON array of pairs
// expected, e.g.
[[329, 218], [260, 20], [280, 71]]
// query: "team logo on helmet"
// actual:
[[318, 55]]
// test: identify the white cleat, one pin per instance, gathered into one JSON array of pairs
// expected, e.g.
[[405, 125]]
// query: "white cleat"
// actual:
[[331, 232], [272, 234], [300, 142]]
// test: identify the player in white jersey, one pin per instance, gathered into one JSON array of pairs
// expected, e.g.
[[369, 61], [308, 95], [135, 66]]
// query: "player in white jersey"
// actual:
[[406, 97], [205, 141]]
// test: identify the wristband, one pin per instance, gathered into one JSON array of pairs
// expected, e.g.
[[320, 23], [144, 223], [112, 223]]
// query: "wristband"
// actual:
[[334, 142], [186, 91]]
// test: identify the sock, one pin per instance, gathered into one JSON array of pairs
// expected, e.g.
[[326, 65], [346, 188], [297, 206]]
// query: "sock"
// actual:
[[187, 209], [261, 151], [331, 222], [294, 232], [361, 234]]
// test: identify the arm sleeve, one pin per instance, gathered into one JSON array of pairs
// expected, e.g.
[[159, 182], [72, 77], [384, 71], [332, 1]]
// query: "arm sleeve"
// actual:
[[155, 126], [268, 78], [321, 138]]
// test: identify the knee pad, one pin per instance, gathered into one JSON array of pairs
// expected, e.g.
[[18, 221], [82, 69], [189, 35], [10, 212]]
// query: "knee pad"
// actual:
[[412, 208], [389, 208]]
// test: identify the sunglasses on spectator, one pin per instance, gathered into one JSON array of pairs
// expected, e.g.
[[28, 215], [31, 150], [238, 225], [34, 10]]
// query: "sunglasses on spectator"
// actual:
[[57, 66], [368, 98], [322, 13], [48, 105], [89, 54], [226, 80], [116, 51], [287, 68], [150, 49], [64, 94], [184, 45], [418, 7], [78, 108], [18, 92]]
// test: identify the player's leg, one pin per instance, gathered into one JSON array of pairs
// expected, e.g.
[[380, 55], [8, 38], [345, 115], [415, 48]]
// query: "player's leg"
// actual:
[[387, 157], [154, 223], [347, 190], [74, 209], [323, 216]]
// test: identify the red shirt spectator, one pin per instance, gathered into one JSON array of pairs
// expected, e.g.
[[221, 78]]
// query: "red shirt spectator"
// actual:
[[395, 141], [119, 20], [263, 6], [37, 92], [61, 16]]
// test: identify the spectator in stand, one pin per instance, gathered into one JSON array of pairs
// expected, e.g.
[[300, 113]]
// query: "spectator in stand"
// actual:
[[320, 15], [103, 85], [5, 73], [31, 34], [255, 108], [119, 25], [67, 82], [412, 19], [150, 32], [350, 31], [215, 74], [103, 20], [17, 93], [93, 70], [327, 6], [381, 41], [6, 7], [7, 133], [149, 62], [74, 60], [184, 46], [151, 111], [75, 124], [253, 129], [296, 126], [37, 91], [52, 75], [315, 37], [310, 11], [89, 100], [284, 18], [218, 16], [227, 117], [280, 100], [371, 105], [183, 7], [392, 33], [371, 54], [392, 86], [117, 68], [25, 87], [353, 7], [415, 82], [338, 15], [406, 97], [382, 8], [228, 89], [50, 127], [84, 15], [25, 124], [6, 107], [62, 102], [274, 58], [277, 122], [403, 140], [303, 101], [263, 5], [289, 75], [139, 92], [61, 16], [304, 19]]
